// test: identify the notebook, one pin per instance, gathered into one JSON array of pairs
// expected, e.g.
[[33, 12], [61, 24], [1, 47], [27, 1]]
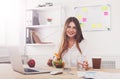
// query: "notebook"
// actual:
[[16, 62]]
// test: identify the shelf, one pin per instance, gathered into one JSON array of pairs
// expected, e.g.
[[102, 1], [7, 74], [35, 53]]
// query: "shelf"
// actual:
[[44, 8], [41, 44], [43, 26]]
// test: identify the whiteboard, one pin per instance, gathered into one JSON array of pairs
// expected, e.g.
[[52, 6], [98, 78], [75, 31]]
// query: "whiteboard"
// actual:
[[93, 18]]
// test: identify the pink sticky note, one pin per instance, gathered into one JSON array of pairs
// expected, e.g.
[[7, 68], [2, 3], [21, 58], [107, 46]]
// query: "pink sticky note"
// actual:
[[105, 13], [84, 19]]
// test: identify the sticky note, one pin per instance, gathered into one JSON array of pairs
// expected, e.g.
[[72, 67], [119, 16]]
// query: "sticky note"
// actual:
[[93, 25], [84, 9], [79, 16], [84, 19], [99, 25], [82, 24], [104, 8], [105, 13]]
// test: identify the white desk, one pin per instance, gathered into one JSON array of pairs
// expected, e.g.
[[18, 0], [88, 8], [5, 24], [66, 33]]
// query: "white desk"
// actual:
[[6, 72]]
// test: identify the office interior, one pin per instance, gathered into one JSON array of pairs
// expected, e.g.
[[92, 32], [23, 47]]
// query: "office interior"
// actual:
[[104, 44]]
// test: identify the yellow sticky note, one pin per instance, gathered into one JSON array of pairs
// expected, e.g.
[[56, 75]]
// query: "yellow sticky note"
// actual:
[[84, 9], [82, 24], [79, 16], [99, 25], [93, 25], [104, 8]]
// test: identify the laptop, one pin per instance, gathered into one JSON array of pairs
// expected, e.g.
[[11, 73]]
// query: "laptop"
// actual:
[[16, 62]]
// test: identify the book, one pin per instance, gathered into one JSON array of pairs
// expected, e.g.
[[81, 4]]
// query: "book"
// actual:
[[35, 37], [28, 39]]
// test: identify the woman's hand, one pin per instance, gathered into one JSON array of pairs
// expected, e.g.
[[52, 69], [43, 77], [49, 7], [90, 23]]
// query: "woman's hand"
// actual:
[[85, 65]]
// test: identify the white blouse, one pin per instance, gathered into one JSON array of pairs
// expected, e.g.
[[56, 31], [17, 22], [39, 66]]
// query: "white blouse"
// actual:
[[71, 56]]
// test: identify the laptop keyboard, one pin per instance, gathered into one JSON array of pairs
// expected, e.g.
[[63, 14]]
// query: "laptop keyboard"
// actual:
[[30, 70]]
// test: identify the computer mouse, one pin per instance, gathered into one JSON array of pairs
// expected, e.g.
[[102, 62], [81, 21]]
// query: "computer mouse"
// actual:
[[55, 72]]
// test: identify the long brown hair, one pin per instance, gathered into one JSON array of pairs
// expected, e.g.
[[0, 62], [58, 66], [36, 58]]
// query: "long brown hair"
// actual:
[[78, 37]]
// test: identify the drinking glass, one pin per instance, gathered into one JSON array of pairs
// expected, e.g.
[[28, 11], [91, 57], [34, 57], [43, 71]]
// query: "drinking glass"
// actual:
[[80, 64], [66, 68]]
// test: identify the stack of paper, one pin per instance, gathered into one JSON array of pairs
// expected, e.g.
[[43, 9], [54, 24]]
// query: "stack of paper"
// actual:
[[98, 75]]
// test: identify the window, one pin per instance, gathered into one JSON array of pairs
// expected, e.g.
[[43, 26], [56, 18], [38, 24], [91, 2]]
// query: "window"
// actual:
[[11, 17]]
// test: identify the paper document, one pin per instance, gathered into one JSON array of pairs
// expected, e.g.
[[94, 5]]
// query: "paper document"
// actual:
[[98, 75], [87, 74]]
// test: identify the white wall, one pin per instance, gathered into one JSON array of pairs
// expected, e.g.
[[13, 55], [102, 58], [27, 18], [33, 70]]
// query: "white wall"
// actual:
[[100, 42]]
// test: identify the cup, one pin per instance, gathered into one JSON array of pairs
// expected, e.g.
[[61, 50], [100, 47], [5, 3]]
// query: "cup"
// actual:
[[66, 67], [96, 62], [80, 64]]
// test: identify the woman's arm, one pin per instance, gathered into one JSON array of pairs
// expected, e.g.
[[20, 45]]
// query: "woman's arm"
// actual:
[[83, 46]]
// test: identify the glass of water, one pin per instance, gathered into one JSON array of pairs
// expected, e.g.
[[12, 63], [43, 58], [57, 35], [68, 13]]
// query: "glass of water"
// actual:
[[80, 64]]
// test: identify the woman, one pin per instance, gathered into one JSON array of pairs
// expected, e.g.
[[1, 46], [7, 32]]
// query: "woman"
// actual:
[[71, 45]]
